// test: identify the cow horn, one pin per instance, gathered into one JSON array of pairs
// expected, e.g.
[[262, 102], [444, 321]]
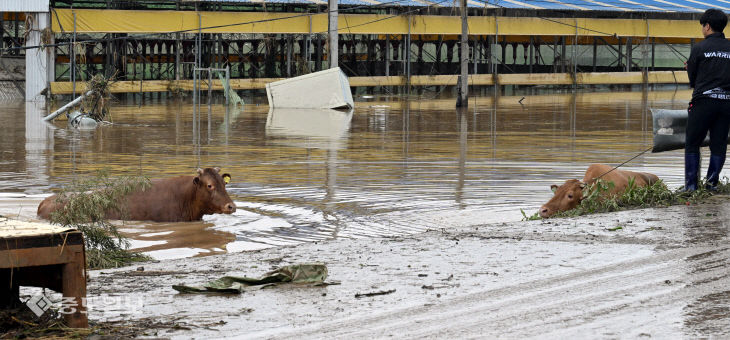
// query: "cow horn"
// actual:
[[217, 169], [200, 171]]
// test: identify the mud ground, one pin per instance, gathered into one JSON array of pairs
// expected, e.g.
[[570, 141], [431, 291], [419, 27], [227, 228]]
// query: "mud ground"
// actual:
[[652, 273], [663, 273]]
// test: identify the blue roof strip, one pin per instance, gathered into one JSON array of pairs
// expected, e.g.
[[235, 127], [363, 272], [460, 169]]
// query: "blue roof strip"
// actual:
[[506, 4], [638, 6], [725, 6], [596, 5], [701, 5], [671, 5]]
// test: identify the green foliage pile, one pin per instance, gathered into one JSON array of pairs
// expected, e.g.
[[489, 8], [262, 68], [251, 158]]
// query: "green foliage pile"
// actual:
[[85, 205], [598, 200], [97, 103]]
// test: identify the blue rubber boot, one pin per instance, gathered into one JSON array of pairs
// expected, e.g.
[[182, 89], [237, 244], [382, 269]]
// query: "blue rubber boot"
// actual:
[[713, 171], [691, 169]]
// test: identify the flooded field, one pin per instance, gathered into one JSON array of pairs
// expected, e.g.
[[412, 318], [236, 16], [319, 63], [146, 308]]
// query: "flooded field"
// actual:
[[390, 167]]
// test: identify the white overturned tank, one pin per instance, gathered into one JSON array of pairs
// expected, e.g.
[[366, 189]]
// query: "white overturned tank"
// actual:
[[81, 121], [329, 89]]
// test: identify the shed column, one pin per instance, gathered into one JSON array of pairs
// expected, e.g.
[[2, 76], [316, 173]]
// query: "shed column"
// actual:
[[462, 100], [333, 32], [387, 55], [39, 62]]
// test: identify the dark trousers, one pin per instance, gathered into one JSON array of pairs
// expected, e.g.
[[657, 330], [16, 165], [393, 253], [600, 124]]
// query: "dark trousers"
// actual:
[[707, 114]]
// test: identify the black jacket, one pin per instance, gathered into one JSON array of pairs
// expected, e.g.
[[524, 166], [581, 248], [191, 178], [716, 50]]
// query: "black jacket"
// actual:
[[708, 66]]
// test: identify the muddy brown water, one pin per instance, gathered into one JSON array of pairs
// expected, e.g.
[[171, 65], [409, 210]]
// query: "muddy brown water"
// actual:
[[391, 167]]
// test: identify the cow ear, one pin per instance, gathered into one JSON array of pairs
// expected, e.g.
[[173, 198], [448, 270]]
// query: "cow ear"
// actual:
[[226, 178], [554, 188], [217, 170], [196, 180]]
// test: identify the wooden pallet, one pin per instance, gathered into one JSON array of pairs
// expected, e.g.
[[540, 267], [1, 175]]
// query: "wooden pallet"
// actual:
[[43, 255]]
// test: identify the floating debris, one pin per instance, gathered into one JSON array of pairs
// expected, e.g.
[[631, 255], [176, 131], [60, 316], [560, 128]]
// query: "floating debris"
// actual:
[[382, 292]]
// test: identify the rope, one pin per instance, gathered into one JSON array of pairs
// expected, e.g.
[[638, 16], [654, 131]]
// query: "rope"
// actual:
[[631, 159]]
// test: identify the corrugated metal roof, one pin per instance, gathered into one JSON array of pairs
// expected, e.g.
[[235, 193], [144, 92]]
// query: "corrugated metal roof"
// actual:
[[581, 5], [24, 5]]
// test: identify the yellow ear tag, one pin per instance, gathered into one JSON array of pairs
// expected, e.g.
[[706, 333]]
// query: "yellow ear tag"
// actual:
[[227, 179]]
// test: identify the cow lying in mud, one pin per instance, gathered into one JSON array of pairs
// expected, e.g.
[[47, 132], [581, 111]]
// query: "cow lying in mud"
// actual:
[[183, 198], [569, 195]]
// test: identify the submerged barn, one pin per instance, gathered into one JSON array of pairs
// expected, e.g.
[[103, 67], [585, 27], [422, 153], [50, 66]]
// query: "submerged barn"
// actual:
[[380, 43]]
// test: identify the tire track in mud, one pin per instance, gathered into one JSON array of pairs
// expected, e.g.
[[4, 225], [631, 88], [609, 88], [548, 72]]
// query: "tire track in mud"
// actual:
[[542, 308], [647, 303]]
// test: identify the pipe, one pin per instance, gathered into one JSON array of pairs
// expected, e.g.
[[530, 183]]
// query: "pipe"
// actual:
[[63, 109]]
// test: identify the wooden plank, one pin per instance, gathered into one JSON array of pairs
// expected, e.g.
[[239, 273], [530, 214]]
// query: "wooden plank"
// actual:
[[668, 77], [377, 81], [132, 86], [16, 228], [610, 78], [481, 79], [74, 287], [41, 241], [658, 77], [250, 84], [604, 98], [30, 257], [434, 80], [536, 79]]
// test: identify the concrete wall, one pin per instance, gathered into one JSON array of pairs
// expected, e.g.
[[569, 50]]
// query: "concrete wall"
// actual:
[[8, 91], [12, 78]]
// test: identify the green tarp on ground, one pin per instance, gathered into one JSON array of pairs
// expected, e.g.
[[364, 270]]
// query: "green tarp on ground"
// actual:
[[312, 273]]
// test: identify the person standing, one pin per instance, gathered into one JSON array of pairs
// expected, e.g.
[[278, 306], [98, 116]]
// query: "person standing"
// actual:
[[708, 68]]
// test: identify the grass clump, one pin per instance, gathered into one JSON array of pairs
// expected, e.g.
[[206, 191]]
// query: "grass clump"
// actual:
[[597, 198], [85, 205], [535, 216]]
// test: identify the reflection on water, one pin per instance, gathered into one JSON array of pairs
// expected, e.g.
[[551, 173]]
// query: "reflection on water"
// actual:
[[390, 167], [308, 128], [176, 240]]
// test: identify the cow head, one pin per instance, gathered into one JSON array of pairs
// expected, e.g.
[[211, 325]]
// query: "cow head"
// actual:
[[567, 196], [211, 193]]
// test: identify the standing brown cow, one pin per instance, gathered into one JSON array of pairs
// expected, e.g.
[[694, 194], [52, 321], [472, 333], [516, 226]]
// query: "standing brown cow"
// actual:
[[569, 195], [183, 198]]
